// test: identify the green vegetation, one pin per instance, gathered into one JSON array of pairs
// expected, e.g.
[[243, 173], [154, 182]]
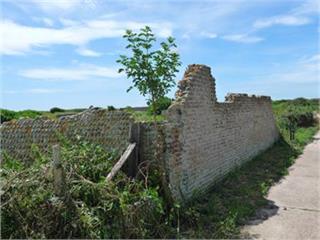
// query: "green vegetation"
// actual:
[[91, 207], [144, 116], [54, 113], [163, 104], [294, 114], [56, 109], [152, 71], [127, 208], [8, 115]]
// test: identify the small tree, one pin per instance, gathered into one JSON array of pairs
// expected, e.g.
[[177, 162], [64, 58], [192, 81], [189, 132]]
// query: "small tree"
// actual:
[[152, 71]]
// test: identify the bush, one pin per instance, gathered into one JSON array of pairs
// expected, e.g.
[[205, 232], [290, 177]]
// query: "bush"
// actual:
[[91, 207], [294, 114], [111, 108], [162, 104], [6, 115], [56, 109]]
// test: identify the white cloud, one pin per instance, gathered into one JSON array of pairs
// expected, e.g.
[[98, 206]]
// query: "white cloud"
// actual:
[[35, 91], [87, 52], [81, 72], [57, 5], [242, 38], [298, 16], [68, 22], [286, 20], [47, 21], [44, 21], [308, 7], [208, 34], [19, 39]]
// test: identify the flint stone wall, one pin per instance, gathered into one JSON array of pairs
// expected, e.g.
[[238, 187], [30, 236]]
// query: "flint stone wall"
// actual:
[[109, 129], [206, 139]]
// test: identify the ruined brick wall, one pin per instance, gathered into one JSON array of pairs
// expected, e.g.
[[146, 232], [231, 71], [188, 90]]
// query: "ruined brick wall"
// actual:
[[110, 129], [206, 139], [200, 142]]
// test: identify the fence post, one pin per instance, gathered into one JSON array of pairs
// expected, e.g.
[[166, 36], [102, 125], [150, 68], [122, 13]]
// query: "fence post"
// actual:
[[134, 137], [59, 178]]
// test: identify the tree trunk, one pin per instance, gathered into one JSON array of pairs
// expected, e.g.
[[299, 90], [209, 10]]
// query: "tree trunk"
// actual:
[[160, 161]]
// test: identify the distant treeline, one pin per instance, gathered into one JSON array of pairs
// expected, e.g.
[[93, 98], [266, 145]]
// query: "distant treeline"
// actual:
[[301, 109]]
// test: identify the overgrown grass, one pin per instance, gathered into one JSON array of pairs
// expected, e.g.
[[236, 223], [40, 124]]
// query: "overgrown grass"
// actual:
[[144, 116], [91, 207]]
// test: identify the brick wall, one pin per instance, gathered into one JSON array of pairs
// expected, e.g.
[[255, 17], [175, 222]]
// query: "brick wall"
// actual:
[[206, 139], [200, 141]]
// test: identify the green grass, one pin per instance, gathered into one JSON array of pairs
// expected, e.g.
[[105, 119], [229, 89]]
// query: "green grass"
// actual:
[[144, 116], [141, 116], [303, 136]]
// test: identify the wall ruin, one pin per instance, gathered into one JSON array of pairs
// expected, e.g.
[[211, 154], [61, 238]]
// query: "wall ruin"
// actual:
[[109, 129], [206, 139], [201, 140]]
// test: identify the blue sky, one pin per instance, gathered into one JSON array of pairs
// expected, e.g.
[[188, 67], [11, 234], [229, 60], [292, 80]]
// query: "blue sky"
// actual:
[[62, 52]]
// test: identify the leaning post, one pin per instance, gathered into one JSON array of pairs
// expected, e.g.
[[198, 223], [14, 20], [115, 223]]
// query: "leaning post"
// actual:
[[59, 177]]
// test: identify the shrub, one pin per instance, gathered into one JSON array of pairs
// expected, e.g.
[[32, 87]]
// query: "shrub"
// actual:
[[111, 108], [162, 104], [91, 208], [6, 115], [28, 114], [56, 109]]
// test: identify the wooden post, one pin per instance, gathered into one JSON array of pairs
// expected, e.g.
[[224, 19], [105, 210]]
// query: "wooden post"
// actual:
[[121, 161], [135, 157], [59, 178]]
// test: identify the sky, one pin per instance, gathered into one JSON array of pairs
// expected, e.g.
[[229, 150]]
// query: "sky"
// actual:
[[62, 53]]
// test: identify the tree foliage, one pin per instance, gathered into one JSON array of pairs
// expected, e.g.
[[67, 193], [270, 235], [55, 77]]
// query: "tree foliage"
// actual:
[[152, 71]]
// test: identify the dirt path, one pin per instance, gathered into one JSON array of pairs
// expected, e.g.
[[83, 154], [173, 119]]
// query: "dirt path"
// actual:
[[294, 209]]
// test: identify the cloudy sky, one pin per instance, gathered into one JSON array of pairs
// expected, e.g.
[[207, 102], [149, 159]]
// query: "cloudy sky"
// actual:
[[63, 52]]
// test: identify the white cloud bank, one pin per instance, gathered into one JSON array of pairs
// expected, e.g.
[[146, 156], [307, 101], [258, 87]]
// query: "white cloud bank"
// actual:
[[286, 20], [87, 52], [18, 39], [298, 16], [81, 72], [242, 38], [35, 91]]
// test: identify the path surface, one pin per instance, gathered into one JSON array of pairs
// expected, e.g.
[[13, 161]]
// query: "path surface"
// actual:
[[295, 212]]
